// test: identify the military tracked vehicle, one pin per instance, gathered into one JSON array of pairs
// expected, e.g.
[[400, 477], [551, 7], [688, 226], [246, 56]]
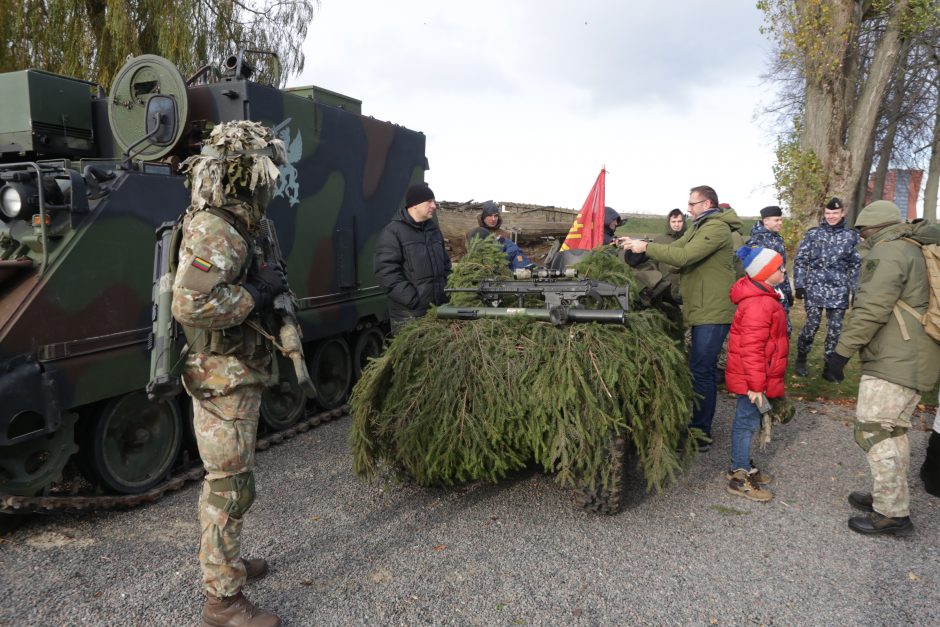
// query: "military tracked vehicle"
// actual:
[[85, 179]]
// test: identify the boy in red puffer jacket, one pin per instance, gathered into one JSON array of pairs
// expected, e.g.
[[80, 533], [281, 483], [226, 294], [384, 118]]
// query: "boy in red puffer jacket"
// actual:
[[757, 360]]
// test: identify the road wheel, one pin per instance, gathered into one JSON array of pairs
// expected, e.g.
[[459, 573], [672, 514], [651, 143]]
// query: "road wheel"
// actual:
[[133, 443], [369, 344], [283, 404], [330, 369]]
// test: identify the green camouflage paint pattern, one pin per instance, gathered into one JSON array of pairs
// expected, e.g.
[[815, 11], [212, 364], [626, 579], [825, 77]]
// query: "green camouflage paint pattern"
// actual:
[[85, 322]]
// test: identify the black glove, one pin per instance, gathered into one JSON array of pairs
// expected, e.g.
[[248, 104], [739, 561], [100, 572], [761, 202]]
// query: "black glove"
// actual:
[[801, 293], [264, 284], [835, 366]]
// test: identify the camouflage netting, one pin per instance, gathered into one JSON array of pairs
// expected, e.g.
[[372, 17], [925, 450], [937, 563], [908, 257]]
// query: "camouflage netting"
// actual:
[[453, 402], [237, 157]]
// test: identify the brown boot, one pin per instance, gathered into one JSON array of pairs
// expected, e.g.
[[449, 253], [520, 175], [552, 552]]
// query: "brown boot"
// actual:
[[255, 568], [235, 611]]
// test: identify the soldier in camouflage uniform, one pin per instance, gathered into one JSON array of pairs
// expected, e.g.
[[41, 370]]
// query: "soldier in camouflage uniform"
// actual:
[[825, 271], [899, 360], [766, 234], [220, 294]]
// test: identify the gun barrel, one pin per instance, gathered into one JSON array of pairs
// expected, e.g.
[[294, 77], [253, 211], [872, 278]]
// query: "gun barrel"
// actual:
[[555, 315], [164, 382]]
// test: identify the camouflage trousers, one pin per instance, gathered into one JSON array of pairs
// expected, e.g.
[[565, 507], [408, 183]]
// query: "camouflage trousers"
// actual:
[[226, 430], [833, 330], [891, 406]]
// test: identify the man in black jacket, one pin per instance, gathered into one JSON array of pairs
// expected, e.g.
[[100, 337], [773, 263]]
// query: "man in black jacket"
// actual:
[[410, 261]]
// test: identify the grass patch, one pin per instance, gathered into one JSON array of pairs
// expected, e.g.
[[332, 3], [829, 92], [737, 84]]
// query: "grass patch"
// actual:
[[814, 387], [651, 226], [728, 511]]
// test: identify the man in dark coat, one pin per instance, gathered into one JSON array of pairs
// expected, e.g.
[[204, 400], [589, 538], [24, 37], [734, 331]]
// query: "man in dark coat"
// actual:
[[410, 261], [675, 229], [766, 234], [825, 272], [612, 222]]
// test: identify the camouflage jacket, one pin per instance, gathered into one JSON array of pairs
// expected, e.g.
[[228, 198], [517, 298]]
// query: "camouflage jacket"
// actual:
[[207, 296], [892, 270], [761, 236], [704, 258], [826, 265]]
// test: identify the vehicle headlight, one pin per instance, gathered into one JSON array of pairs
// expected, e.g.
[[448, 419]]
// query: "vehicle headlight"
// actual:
[[11, 202]]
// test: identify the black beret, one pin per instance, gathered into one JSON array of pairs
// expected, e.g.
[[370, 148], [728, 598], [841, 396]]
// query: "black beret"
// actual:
[[417, 194], [834, 203], [771, 211]]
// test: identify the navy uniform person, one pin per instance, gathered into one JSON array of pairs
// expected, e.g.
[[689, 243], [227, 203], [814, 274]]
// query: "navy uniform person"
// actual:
[[825, 271], [899, 360], [766, 234], [220, 294], [410, 261]]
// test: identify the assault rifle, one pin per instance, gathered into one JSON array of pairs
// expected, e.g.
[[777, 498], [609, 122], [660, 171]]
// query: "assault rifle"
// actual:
[[564, 299], [285, 306], [165, 359]]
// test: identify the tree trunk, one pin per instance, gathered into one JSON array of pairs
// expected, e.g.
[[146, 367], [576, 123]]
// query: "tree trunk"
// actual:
[[861, 189], [862, 125], [893, 115], [933, 175]]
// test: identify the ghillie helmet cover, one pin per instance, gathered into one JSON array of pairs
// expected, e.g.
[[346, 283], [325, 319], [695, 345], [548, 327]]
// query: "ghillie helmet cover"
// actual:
[[239, 160]]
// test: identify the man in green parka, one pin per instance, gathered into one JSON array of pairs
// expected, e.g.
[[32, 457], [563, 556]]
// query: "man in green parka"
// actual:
[[899, 360], [705, 258]]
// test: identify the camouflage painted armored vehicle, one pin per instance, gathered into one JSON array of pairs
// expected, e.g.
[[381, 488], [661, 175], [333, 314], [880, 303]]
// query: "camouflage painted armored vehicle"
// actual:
[[86, 177]]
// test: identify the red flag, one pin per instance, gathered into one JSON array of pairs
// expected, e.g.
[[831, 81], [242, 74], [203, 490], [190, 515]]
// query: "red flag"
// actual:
[[587, 231]]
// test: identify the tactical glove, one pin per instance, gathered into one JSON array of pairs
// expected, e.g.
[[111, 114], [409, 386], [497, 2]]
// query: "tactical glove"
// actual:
[[264, 284], [801, 293], [835, 366]]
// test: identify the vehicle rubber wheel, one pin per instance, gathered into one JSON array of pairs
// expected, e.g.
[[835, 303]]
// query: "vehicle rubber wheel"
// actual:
[[134, 443], [331, 371], [369, 344], [609, 499], [283, 404], [29, 468]]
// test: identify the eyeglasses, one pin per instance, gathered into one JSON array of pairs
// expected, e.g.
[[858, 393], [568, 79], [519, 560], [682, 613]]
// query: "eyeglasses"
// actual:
[[692, 204]]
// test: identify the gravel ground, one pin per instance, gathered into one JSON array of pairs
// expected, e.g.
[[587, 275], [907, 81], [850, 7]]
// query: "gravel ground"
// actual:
[[348, 553]]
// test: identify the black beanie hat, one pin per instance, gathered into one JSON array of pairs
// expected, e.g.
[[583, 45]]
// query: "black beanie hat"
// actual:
[[771, 211], [834, 203], [490, 208], [417, 194]]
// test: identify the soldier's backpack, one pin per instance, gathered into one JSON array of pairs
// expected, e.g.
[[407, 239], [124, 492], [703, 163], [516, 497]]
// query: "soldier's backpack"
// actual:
[[931, 318]]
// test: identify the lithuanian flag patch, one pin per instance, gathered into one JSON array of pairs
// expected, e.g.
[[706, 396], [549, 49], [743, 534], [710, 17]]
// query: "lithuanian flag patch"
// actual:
[[201, 264]]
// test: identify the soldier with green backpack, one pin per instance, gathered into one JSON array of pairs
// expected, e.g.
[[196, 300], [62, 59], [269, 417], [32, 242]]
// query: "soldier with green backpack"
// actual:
[[900, 359]]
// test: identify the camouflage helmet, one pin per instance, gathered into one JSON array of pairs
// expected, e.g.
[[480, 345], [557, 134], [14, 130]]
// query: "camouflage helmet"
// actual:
[[878, 213], [238, 158]]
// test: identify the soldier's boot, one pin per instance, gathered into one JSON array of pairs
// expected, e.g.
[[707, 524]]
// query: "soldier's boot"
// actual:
[[742, 485], [874, 523], [930, 471], [255, 568], [757, 476], [800, 366], [235, 611], [862, 501]]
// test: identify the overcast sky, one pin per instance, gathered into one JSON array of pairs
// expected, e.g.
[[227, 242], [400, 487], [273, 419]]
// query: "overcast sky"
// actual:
[[524, 101]]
